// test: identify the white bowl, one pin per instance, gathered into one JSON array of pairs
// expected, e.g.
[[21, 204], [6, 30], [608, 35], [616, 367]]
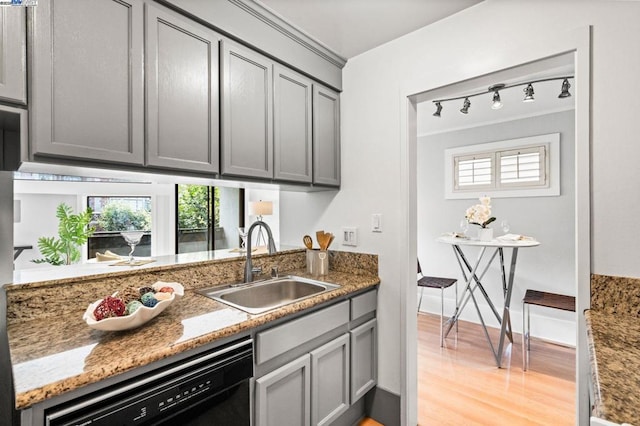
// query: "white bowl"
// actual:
[[139, 317]]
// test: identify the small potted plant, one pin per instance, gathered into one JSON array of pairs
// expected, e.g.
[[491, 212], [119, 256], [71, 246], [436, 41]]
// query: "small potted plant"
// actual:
[[73, 232], [480, 214]]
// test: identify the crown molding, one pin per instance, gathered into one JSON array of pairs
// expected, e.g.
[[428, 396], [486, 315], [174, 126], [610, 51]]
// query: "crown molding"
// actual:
[[275, 21]]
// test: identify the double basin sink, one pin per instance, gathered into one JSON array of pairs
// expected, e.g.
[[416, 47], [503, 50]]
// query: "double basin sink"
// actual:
[[262, 296]]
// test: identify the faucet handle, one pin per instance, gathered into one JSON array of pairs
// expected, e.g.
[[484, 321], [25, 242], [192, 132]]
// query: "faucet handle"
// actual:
[[274, 271]]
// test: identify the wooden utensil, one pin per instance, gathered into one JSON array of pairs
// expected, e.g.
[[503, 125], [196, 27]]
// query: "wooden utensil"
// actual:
[[308, 242], [330, 241], [319, 236]]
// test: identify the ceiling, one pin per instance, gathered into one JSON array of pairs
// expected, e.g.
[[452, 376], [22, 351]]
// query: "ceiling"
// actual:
[[351, 27]]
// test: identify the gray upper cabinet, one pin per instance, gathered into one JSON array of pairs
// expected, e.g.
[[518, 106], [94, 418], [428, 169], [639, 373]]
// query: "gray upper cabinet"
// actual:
[[182, 92], [326, 136], [13, 55], [292, 96], [86, 97], [247, 112]]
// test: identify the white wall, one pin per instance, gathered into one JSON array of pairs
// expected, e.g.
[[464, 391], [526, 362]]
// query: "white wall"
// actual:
[[491, 36], [549, 219]]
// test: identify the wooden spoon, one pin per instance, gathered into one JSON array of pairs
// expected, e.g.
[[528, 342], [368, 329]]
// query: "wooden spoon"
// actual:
[[330, 241], [308, 242]]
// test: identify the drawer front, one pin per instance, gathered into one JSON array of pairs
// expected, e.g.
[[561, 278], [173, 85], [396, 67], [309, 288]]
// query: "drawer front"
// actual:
[[280, 339], [363, 304]]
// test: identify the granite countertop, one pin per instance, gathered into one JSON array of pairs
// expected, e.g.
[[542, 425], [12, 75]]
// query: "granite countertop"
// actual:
[[614, 353], [60, 354]]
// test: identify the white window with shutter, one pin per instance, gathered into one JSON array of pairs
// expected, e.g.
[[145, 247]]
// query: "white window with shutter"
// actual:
[[524, 167]]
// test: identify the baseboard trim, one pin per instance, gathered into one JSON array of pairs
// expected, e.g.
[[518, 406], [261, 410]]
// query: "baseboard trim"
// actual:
[[383, 406]]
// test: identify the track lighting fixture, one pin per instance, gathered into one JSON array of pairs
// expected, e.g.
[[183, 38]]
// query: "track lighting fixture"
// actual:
[[497, 103], [565, 89], [528, 97], [438, 109], [495, 89], [465, 106]]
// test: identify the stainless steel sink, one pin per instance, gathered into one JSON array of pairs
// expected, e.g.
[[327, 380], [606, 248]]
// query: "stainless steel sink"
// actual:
[[262, 296]]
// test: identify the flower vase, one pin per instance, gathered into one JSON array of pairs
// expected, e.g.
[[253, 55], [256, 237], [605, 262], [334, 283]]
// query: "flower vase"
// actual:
[[485, 234]]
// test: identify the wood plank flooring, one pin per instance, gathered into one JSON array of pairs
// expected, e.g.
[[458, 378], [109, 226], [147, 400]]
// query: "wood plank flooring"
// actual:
[[461, 385]]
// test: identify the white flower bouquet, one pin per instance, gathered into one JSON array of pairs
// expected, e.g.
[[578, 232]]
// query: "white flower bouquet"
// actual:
[[480, 214]]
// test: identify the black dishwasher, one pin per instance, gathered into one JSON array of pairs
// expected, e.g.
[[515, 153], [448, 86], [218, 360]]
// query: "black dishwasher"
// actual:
[[209, 389]]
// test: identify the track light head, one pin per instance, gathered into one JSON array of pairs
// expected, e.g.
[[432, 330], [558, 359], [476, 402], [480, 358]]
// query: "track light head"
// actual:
[[565, 89], [528, 97], [465, 106], [438, 109], [497, 103]]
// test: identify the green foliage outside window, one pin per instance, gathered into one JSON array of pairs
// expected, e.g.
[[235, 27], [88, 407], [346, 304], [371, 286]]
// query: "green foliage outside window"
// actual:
[[194, 204], [119, 216]]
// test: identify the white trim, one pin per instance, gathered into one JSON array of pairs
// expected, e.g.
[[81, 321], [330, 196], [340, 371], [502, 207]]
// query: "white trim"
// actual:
[[578, 42], [552, 166]]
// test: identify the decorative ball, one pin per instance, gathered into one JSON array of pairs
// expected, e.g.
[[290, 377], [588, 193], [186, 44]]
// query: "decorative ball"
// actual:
[[166, 289], [130, 294], [144, 290], [149, 300], [133, 306], [162, 295], [109, 307]]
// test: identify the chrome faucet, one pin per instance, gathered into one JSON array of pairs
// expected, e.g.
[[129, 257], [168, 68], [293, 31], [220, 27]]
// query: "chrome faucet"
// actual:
[[248, 267]]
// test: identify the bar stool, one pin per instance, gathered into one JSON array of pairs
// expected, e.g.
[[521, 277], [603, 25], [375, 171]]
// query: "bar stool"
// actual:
[[441, 283], [548, 300]]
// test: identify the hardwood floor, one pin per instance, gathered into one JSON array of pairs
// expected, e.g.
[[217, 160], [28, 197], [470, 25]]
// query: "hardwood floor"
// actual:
[[461, 385]]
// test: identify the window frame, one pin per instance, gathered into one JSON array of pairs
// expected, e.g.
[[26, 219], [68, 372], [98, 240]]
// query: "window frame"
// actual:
[[549, 144]]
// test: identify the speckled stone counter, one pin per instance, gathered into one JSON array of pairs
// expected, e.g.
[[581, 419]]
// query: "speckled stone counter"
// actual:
[[613, 330], [53, 351]]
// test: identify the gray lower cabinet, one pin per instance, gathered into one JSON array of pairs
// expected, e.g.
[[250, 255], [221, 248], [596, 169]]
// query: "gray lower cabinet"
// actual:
[[182, 106], [247, 112], [326, 136], [86, 95], [364, 370], [330, 366], [283, 396], [13, 55], [292, 95]]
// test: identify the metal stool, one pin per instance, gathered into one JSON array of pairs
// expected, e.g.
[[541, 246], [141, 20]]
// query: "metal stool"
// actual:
[[441, 283], [548, 300]]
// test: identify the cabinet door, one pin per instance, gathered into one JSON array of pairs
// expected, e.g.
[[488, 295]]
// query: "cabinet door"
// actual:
[[13, 52], [364, 362], [292, 126], [282, 396], [87, 95], [182, 92], [326, 136], [247, 112], [330, 381]]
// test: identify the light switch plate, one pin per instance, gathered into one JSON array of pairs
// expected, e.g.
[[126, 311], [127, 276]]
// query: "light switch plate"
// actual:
[[349, 236], [376, 222]]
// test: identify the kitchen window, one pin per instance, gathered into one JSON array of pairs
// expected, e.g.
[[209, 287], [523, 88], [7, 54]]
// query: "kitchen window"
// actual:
[[521, 167], [114, 214], [208, 218]]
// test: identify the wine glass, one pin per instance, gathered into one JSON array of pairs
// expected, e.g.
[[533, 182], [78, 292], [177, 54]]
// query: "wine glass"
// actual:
[[505, 226], [132, 238], [243, 236], [464, 226]]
